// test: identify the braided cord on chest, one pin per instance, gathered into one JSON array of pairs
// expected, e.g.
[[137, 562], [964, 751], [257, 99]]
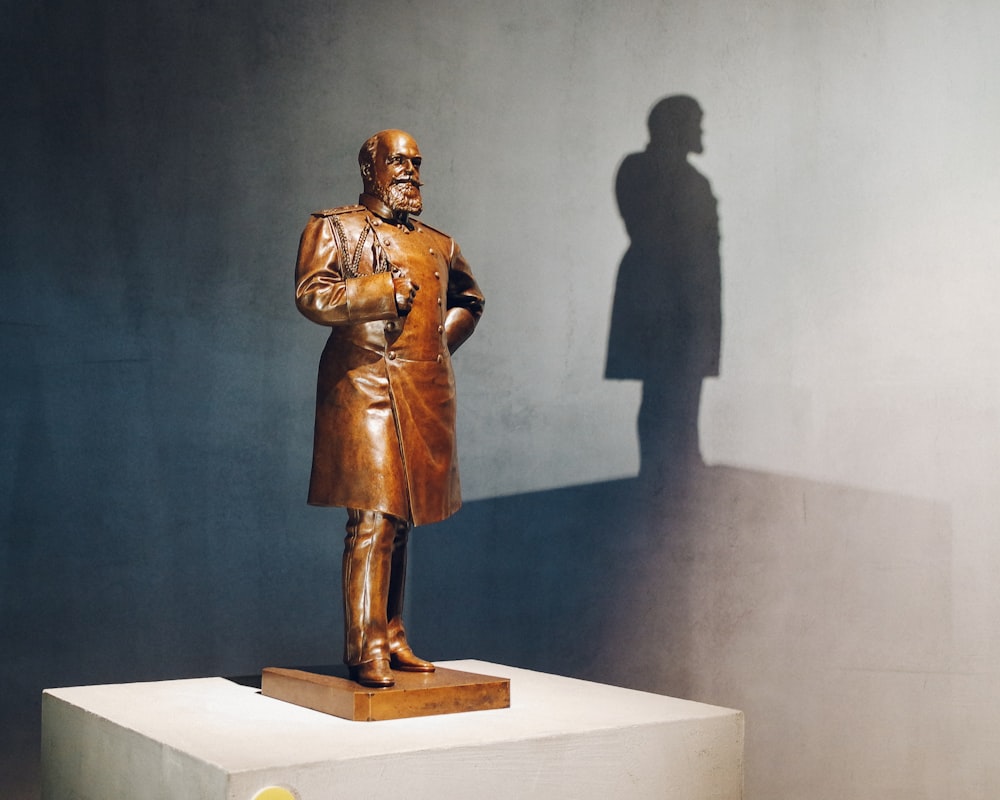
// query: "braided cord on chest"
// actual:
[[349, 261]]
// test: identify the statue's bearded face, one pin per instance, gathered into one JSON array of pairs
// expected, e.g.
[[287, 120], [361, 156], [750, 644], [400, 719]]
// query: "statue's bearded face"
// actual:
[[396, 173]]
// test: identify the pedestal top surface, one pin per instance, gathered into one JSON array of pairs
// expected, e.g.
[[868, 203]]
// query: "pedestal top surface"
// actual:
[[237, 728]]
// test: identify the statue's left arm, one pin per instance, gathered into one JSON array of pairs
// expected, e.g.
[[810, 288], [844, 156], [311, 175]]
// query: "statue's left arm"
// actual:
[[465, 300]]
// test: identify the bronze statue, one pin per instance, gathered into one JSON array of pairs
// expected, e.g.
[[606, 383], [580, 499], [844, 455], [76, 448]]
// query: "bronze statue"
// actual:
[[399, 299]]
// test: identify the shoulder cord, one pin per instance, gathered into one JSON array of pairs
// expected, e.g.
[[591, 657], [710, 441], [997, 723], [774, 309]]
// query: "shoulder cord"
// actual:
[[348, 261], [351, 261]]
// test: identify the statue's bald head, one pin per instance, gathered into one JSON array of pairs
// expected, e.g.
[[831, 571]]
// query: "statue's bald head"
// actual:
[[390, 168]]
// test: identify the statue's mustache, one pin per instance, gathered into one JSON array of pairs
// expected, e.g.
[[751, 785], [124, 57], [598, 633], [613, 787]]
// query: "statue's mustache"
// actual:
[[410, 181]]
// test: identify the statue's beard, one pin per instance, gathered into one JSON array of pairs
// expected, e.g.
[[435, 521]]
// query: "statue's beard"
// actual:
[[402, 196]]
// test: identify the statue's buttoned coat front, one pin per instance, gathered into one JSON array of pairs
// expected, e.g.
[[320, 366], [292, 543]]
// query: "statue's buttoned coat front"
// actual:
[[385, 406]]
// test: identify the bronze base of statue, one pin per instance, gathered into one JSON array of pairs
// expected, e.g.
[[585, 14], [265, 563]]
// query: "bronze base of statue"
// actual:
[[413, 694]]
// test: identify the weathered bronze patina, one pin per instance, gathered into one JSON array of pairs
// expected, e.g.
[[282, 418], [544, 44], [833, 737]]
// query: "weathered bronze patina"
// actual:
[[399, 299]]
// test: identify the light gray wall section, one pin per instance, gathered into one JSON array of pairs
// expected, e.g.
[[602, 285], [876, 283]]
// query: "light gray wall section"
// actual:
[[832, 571]]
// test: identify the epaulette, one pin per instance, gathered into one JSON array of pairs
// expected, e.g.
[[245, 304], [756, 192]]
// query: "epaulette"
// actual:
[[330, 212], [432, 228]]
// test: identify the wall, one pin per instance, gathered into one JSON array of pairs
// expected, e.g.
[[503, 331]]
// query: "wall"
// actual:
[[830, 566]]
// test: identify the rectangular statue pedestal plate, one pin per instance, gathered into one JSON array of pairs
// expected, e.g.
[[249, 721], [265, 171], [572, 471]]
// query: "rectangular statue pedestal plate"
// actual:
[[416, 694], [213, 739]]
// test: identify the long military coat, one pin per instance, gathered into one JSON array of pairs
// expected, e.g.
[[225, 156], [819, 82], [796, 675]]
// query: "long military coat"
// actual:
[[385, 404]]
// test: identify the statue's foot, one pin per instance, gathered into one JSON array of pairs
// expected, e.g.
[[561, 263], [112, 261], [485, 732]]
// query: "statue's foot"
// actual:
[[404, 660], [375, 674]]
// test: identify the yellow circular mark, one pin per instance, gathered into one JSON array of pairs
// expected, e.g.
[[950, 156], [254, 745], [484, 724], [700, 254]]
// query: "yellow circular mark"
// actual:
[[275, 793]]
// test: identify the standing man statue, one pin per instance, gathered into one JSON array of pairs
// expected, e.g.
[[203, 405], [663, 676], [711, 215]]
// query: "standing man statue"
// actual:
[[399, 299]]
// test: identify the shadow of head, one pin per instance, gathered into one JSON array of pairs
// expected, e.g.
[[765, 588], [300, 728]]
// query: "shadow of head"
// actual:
[[675, 125]]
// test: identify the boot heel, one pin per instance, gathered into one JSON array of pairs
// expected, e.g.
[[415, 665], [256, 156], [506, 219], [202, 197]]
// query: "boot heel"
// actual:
[[375, 674]]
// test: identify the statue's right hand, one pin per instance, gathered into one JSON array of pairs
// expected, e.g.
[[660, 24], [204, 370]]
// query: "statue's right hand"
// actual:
[[405, 292]]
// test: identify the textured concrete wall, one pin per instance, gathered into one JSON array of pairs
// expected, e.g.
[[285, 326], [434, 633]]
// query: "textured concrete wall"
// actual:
[[831, 570]]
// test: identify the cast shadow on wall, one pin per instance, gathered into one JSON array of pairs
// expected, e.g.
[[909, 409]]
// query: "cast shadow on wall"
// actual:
[[666, 321], [582, 547]]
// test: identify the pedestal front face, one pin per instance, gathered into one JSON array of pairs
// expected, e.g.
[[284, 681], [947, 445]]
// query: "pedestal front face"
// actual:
[[212, 739]]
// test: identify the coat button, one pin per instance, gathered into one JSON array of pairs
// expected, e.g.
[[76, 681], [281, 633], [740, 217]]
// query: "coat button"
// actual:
[[392, 354], [440, 328], [437, 274], [440, 358]]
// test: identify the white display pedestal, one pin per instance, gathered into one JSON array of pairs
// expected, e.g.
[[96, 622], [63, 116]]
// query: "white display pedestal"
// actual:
[[212, 739]]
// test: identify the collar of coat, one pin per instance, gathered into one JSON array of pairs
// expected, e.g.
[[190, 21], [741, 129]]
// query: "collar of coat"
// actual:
[[377, 207]]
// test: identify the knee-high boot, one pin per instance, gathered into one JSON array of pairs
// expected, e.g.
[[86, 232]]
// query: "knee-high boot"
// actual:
[[367, 561], [401, 656]]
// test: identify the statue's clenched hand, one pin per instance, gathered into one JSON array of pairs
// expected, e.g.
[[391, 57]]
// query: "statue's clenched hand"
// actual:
[[405, 291]]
